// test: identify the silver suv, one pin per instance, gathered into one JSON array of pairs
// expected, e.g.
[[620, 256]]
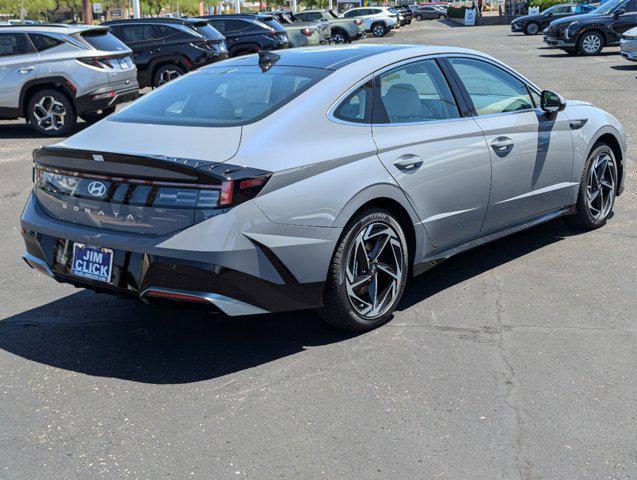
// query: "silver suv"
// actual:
[[51, 74]]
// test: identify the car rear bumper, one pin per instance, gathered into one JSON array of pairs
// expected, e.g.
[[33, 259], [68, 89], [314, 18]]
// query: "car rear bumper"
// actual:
[[248, 278], [105, 97]]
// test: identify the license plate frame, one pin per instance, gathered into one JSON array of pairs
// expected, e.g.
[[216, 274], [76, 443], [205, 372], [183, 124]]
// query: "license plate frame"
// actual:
[[92, 263]]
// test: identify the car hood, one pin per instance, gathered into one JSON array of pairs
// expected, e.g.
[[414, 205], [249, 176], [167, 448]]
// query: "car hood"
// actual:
[[574, 18], [197, 143]]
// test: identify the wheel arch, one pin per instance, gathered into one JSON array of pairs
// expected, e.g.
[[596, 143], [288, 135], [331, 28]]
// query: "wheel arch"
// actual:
[[61, 84], [391, 198], [611, 139]]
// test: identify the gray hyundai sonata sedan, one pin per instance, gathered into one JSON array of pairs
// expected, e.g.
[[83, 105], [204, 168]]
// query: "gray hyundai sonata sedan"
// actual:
[[320, 178]]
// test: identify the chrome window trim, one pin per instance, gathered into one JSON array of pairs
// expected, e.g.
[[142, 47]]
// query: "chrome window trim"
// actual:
[[495, 63]]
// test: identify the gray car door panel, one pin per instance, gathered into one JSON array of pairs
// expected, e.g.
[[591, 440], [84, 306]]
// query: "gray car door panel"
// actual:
[[18, 65], [440, 160]]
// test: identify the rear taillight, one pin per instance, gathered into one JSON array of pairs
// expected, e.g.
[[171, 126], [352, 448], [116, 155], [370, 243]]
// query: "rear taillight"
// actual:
[[97, 62], [234, 192], [358, 21], [307, 32]]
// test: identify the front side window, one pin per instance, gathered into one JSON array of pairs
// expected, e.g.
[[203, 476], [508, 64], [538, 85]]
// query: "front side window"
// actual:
[[417, 92], [222, 96], [14, 44], [491, 89], [357, 106]]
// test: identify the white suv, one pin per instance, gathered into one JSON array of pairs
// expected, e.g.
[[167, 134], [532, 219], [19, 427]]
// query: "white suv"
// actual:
[[378, 20], [51, 74]]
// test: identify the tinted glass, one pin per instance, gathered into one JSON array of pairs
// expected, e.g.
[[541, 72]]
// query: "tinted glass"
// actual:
[[631, 6], [357, 106], [351, 13], [103, 40], [219, 97], [208, 32], [492, 90], [417, 92], [14, 44], [272, 23], [43, 42]]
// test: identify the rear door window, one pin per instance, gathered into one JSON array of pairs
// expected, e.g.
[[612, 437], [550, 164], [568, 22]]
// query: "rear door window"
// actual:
[[14, 44], [102, 40], [43, 42]]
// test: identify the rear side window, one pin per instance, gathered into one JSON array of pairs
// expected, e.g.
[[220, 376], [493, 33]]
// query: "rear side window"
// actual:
[[208, 32], [102, 40], [416, 92], [221, 97], [14, 44], [357, 106], [492, 90], [43, 42]]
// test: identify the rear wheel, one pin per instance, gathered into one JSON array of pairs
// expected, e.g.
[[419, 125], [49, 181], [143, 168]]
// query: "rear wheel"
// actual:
[[532, 28], [441, 17], [92, 117], [340, 36], [378, 30], [597, 190], [419, 18], [590, 43], [51, 113], [166, 73], [367, 274]]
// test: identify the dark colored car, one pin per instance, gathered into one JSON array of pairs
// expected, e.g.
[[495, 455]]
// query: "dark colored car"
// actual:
[[249, 33], [429, 12], [166, 48], [405, 12], [588, 34], [534, 24]]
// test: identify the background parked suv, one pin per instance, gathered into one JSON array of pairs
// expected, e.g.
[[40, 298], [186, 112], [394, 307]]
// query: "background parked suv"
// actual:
[[248, 33], [429, 12], [534, 24], [376, 21], [50, 74], [164, 49], [588, 34], [343, 30]]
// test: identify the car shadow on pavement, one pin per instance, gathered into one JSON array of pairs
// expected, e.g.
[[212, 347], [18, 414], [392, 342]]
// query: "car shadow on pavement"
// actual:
[[477, 261], [565, 55], [104, 336], [625, 68], [17, 130]]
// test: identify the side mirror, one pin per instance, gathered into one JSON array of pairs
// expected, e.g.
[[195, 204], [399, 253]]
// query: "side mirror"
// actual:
[[552, 102], [619, 12]]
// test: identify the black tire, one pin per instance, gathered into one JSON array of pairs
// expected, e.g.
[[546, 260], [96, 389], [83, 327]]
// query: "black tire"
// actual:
[[92, 117], [379, 29], [340, 36], [584, 218], [166, 73], [337, 307], [418, 18], [595, 38], [532, 28], [441, 17], [62, 118]]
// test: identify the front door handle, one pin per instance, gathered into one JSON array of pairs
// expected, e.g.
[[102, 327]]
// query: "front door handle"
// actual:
[[502, 146], [26, 69], [408, 163]]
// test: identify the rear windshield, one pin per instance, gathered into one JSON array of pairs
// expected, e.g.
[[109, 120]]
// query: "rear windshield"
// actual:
[[222, 97], [273, 23], [102, 40]]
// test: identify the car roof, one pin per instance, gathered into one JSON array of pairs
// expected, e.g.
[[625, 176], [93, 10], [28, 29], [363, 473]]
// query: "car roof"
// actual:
[[336, 57], [177, 21], [65, 28]]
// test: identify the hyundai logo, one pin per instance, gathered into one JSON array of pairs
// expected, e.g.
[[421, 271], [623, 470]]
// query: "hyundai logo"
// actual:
[[97, 189]]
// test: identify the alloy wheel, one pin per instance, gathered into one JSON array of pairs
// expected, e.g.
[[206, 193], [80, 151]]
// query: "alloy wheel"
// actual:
[[338, 38], [600, 191], [591, 44], [374, 270], [379, 31], [532, 28], [49, 114]]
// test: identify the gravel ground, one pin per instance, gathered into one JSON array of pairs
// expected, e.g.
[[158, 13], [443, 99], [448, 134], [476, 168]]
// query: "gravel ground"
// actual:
[[513, 361]]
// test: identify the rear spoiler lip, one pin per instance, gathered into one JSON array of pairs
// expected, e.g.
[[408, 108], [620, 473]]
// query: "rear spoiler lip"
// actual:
[[183, 169]]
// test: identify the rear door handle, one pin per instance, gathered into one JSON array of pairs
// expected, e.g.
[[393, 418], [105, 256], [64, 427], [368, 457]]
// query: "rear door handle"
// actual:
[[408, 163], [26, 69], [502, 145]]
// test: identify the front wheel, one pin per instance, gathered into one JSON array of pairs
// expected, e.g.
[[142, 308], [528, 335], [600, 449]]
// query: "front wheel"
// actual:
[[368, 272], [532, 29], [441, 17], [597, 190], [419, 18], [590, 44]]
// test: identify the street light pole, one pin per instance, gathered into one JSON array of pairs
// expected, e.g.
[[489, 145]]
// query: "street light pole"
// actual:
[[136, 10]]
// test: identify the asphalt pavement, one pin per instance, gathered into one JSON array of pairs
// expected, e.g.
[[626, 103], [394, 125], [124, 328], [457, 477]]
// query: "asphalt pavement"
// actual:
[[513, 361]]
